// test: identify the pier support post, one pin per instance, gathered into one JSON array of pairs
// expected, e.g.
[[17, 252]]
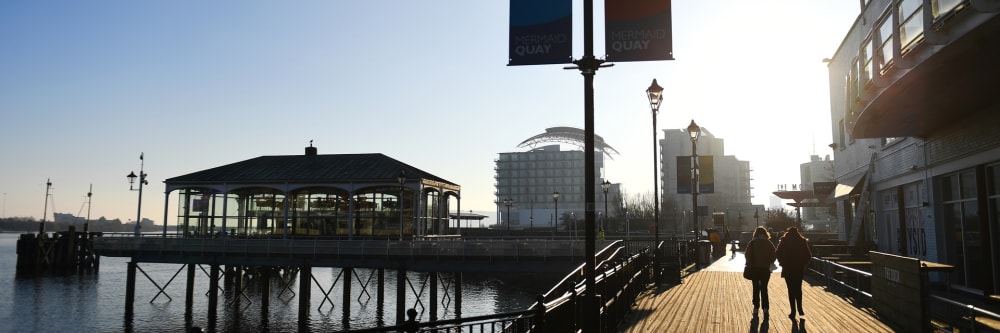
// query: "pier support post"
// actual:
[[305, 287], [434, 296], [348, 272], [189, 290], [129, 288], [213, 295], [265, 292], [400, 296], [380, 298], [458, 294]]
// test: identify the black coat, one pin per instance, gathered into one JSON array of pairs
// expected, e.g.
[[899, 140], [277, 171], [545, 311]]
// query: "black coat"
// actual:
[[794, 256]]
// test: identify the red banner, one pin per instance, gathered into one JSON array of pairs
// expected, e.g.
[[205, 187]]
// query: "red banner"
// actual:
[[638, 30]]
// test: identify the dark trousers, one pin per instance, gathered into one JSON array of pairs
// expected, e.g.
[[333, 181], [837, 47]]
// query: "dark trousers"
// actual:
[[760, 291], [794, 284]]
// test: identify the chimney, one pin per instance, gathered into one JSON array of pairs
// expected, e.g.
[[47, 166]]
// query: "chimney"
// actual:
[[311, 151]]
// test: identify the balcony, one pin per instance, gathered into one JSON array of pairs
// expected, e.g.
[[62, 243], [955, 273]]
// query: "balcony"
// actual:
[[951, 74]]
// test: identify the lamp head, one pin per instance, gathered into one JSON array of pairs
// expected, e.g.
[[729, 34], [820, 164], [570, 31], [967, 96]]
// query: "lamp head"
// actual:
[[694, 131], [131, 178], [655, 95], [605, 186], [402, 177], [555, 195]]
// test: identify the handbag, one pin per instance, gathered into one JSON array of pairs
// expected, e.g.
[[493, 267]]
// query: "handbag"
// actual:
[[748, 272]]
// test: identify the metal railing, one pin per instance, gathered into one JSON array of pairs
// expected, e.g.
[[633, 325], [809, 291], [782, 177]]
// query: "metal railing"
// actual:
[[945, 314], [620, 278], [305, 248], [952, 315], [844, 278]]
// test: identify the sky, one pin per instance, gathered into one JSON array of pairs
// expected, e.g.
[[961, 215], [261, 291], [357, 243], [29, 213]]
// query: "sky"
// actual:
[[86, 86]]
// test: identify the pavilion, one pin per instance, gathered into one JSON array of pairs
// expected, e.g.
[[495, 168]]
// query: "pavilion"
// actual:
[[338, 195]]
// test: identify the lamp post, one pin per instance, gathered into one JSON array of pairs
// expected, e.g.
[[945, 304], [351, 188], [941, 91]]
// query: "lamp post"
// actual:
[[756, 216], [142, 181], [655, 95], [555, 222], [605, 186], [508, 202], [694, 131], [401, 179], [572, 217]]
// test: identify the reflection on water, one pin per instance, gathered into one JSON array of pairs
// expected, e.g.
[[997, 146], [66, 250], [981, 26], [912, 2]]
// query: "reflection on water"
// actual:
[[96, 302]]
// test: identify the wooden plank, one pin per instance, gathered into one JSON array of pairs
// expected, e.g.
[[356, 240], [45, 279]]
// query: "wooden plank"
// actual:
[[721, 301]]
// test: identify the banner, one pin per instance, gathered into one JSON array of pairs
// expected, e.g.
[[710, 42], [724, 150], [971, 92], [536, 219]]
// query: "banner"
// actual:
[[706, 174], [541, 32], [638, 30]]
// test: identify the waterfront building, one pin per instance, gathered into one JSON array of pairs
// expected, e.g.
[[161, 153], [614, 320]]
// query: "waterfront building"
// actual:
[[528, 179], [915, 120], [728, 177], [817, 176], [348, 195]]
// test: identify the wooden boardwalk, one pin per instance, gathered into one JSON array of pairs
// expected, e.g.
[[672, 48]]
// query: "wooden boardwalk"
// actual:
[[718, 299]]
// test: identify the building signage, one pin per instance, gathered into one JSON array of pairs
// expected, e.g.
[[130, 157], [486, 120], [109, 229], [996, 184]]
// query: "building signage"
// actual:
[[541, 32], [638, 30]]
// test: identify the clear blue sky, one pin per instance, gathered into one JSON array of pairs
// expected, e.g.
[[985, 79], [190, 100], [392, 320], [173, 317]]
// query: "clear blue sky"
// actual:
[[85, 86]]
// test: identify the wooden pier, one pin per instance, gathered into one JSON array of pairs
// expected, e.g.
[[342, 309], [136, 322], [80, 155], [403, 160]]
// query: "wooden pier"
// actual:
[[64, 252], [719, 299], [230, 259]]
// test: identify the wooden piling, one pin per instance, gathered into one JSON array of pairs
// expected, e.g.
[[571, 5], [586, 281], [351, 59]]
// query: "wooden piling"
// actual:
[[434, 296], [129, 288]]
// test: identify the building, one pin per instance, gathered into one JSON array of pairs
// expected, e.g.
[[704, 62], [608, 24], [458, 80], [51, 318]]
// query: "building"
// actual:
[[341, 195], [916, 148], [729, 180], [529, 179], [814, 175]]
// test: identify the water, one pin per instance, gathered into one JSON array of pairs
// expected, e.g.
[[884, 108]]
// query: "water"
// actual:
[[96, 302]]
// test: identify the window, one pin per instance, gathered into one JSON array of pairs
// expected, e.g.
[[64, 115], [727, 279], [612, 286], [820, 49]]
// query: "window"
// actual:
[[993, 195], [885, 42], [943, 7], [911, 24], [962, 228], [866, 67]]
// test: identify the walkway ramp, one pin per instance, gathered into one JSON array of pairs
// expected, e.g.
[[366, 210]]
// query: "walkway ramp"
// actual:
[[718, 299]]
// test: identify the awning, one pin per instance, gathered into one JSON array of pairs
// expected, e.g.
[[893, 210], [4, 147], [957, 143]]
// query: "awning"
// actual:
[[849, 187]]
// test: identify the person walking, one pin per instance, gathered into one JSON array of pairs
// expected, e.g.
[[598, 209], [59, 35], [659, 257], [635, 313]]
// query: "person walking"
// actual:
[[793, 256], [760, 254]]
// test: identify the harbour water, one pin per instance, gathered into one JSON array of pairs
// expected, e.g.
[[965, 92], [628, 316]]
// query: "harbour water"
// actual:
[[96, 302]]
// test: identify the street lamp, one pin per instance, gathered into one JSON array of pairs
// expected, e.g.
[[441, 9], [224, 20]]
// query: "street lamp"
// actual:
[[694, 131], [655, 95], [572, 217], [605, 186], [142, 181], [756, 216], [508, 202], [401, 179], [555, 223]]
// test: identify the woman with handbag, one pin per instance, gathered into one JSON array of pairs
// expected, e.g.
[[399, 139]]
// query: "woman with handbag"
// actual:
[[760, 254], [794, 255]]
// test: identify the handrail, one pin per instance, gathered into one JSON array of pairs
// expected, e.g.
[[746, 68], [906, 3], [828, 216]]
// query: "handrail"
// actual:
[[972, 313], [825, 268], [450, 325]]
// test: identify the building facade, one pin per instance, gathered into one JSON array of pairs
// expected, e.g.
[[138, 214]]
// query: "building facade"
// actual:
[[729, 180], [813, 173], [527, 180], [916, 119]]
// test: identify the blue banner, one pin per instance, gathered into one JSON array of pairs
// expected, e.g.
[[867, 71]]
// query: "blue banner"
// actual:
[[638, 30], [541, 32]]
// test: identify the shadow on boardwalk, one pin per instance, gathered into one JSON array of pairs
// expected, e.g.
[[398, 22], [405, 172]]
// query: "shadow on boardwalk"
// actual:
[[718, 299]]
